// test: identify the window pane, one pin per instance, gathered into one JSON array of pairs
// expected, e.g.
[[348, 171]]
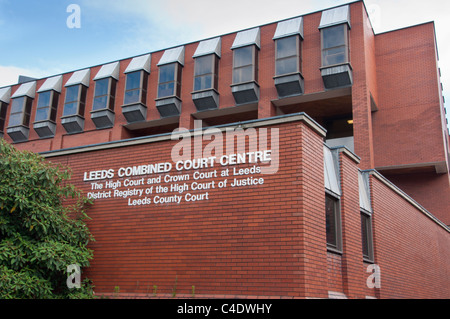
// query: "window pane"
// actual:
[[17, 105], [44, 99], [331, 226], [202, 82], [100, 102], [133, 80], [288, 65], [167, 73], [15, 119], [334, 56], [70, 109], [166, 89], [132, 96], [42, 114], [366, 229], [243, 56], [244, 74], [333, 36], [101, 87], [72, 93], [204, 65], [287, 47]]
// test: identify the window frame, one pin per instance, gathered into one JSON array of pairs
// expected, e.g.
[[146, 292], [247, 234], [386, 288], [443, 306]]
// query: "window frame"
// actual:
[[334, 247], [177, 74], [110, 94], [81, 100], [214, 64], [366, 223], [346, 45], [143, 82], [3, 109], [52, 106], [254, 64], [25, 111], [298, 55]]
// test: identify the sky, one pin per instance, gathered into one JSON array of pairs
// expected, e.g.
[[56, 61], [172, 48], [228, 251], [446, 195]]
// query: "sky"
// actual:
[[49, 37]]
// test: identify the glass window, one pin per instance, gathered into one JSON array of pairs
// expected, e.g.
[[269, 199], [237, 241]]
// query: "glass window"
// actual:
[[333, 226], [46, 107], [105, 90], [136, 87], [75, 100], [169, 80], [205, 73], [334, 45], [20, 111], [287, 55], [366, 236], [244, 64]]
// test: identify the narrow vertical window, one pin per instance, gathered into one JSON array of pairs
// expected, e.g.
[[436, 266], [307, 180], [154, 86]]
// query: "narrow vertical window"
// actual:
[[136, 87], [366, 236], [104, 94], [333, 224], [20, 111], [46, 107], [169, 83], [287, 58], [245, 64], [75, 100], [205, 72], [335, 48]]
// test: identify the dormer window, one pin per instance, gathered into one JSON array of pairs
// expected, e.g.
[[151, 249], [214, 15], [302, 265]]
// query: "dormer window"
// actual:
[[168, 101], [19, 117], [245, 48], [134, 106]]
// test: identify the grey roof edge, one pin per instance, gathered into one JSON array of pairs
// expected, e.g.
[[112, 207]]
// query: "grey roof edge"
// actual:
[[285, 118]]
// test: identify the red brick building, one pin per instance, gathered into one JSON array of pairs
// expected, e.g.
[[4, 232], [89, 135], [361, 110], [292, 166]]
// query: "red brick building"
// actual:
[[314, 161]]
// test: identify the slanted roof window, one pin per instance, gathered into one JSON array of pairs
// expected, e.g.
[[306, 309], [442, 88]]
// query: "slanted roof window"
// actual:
[[334, 31], [335, 48], [245, 56], [46, 107], [364, 192], [331, 173], [332, 201], [20, 111], [170, 66], [21, 105], [169, 83], [48, 95], [137, 78], [5, 94], [287, 59], [207, 64], [74, 103]]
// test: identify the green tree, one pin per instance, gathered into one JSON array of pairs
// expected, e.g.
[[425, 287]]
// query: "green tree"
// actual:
[[42, 228]]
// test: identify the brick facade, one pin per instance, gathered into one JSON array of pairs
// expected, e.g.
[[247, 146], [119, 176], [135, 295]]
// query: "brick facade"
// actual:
[[269, 239]]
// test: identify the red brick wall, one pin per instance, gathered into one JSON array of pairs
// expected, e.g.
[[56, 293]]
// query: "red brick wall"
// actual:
[[433, 192], [242, 241], [411, 250], [408, 98], [265, 240]]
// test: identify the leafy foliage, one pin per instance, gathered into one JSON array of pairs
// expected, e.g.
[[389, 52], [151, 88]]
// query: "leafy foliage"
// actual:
[[42, 227]]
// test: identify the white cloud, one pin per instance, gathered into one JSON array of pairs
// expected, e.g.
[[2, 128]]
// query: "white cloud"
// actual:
[[9, 75]]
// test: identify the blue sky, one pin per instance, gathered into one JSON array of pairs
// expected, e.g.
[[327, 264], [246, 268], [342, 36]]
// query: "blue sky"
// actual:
[[37, 42]]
